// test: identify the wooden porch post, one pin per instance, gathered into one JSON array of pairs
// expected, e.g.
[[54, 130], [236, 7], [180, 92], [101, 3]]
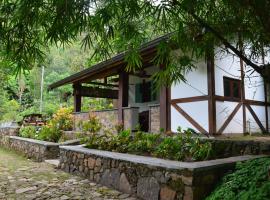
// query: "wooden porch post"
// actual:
[[211, 93], [164, 108], [122, 94], [77, 97]]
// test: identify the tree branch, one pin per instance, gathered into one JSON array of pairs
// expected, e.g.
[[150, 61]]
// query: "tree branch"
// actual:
[[257, 68]]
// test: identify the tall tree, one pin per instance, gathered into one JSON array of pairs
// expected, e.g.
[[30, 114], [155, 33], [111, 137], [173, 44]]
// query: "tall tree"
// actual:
[[114, 25]]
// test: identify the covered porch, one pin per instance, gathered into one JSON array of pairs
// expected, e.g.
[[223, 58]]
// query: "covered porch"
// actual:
[[135, 100]]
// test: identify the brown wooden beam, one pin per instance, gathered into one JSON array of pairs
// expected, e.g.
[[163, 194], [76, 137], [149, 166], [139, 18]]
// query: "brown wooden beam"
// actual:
[[256, 103], [190, 99], [229, 119], [103, 84], [211, 93], [243, 96], [190, 119], [98, 92], [223, 98], [255, 118], [265, 96], [266, 107], [77, 97], [246, 101], [122, 94], [164, 108]]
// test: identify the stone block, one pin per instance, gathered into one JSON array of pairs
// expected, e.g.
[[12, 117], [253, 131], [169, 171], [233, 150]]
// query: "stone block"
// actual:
[[148, 188], [167, 193], [124, 185]]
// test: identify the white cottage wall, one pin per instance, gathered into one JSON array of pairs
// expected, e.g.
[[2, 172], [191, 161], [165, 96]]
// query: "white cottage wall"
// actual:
[[195, 85]]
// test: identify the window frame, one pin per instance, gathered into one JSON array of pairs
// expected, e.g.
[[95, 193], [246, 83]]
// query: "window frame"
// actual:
[[231, 85]]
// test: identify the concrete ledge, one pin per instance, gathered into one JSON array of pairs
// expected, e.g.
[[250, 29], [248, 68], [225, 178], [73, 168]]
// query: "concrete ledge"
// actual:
[[148, 178], [44, 143]]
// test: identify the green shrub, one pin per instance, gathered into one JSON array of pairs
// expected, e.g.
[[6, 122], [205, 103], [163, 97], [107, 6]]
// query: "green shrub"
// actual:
[[28, 132], [50, 134], [181, 146], [92, 125], [249, 181], [62, 119], [144, 142]]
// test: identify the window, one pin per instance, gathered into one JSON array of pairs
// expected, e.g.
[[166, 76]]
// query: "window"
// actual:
[[145, 92], [232, 87]]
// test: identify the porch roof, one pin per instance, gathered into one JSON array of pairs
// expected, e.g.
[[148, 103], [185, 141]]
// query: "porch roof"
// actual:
[[109, 67]]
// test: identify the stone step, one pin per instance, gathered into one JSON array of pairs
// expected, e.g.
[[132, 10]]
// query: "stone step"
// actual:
[[54, 162]]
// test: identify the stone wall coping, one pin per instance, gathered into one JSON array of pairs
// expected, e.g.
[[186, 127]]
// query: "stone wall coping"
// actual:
[[154, 105], [44, 143], [157, 162], [77, 113], [105, 110], [130, 107], [70, 142]]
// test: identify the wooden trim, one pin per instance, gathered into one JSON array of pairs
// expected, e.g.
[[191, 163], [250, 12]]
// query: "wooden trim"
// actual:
[[256, 103], [190, 99], [164, 108], [122, 95], [211, 94], [223, 98], [229, 119], [255, 118], [98, 92], [243, 96], [266, 108], [103, 84], [168, 109], [190, 119], [77, 97], [265, 96]]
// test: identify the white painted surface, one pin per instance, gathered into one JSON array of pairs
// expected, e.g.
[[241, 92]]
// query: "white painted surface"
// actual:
[[226, 65], [224, 109], [197, 110], [195, 85], [252, 125]]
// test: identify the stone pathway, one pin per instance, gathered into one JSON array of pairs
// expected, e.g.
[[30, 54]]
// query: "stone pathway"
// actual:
[[23, 179]]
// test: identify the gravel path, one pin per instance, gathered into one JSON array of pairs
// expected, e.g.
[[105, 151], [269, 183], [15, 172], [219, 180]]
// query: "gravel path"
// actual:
[[24, 180]]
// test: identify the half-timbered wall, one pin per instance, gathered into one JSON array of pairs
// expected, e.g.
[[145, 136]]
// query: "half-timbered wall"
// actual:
[[195, 85], [190, 100]]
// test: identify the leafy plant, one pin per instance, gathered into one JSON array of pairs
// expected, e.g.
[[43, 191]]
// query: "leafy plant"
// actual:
[[28, 132], [50, 133], [181, 146], [62, 119], [249, 181], [144, 142], [92, 125]]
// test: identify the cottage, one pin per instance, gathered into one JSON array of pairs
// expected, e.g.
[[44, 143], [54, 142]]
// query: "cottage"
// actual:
[[217, 98]]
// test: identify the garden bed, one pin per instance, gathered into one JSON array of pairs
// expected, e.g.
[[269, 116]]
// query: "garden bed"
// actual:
[[146, 177], [34, 149]]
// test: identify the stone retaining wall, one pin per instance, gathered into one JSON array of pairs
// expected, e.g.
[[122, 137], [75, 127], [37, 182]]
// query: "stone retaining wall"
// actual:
[[145, 177], [11, 131], [223, 148], [34, 149]]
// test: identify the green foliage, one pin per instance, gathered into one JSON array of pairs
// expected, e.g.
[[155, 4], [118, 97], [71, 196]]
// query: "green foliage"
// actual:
[[62, 119], [50, 134], [28, 132], [143, 142], [10, 110], [181, 146], [249, 181], [92, 125]]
